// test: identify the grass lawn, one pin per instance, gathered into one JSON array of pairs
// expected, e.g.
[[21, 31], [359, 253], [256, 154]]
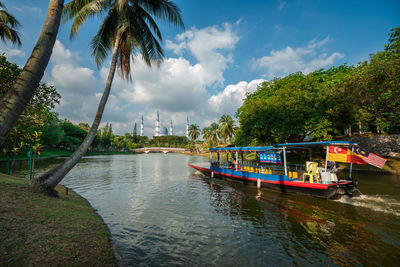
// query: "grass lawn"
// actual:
[[38, 230]]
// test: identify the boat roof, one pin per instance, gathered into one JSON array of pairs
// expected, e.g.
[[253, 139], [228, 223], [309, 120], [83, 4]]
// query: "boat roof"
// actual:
[[304, 145]]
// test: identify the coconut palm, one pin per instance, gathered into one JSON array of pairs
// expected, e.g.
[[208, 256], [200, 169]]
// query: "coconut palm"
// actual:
[[15, 100], [226, 127], [210, 134], [8, 26], [128, 27], [194, 131]]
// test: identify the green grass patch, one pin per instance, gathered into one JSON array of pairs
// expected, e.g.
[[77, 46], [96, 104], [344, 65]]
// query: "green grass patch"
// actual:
[[40, 230]]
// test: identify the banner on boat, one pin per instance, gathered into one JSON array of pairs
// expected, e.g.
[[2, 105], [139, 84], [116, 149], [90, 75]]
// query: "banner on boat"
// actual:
[[271, 157], [340, 154]]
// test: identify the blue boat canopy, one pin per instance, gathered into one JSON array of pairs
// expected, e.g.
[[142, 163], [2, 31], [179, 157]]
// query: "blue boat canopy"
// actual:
[[303, 145]]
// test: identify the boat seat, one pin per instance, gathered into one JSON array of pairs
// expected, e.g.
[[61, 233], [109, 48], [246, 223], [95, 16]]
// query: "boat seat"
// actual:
[[311, 173]]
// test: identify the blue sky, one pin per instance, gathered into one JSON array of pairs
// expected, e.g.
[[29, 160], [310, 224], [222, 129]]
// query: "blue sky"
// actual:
[[226, 50]]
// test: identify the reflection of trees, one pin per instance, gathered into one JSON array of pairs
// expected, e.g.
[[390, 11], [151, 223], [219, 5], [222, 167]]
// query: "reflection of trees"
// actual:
[[309, 230]]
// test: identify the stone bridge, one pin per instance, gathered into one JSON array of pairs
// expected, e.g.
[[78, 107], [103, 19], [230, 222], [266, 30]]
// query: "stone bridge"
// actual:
[[165, 150]]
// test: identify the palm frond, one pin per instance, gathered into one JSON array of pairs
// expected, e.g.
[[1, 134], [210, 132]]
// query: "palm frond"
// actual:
[[84, 10], [149, 20], [148, 44], [162, 9], [9, 19], [9, 34], [8, 26], [102, 42]]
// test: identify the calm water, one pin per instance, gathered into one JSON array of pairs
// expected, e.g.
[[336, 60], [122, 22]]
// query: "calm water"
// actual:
[[161, 212]]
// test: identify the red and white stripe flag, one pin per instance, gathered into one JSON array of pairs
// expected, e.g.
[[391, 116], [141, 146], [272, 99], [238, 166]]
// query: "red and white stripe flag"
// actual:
[[370, 158]]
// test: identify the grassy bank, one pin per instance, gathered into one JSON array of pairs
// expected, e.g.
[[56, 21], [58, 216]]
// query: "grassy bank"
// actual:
[[37, 230]]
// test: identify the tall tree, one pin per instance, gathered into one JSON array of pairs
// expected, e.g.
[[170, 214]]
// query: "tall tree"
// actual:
[[128, 27], [210, 134], [17, 98], [226, 126], [8, 26], [194, 131]]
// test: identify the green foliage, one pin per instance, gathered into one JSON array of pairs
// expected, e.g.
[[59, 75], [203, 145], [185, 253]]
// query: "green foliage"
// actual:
[[53, 133], [74, 135], [210, 134], [226, 126], [194, 131], [37, 115]]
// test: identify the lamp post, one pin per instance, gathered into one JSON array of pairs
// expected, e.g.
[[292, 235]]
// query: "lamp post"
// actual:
[[30, 155]]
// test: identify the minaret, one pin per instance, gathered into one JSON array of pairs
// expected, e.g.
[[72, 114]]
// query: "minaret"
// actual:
[[158, 125], [141, 127], [171, 132], [187, 127]]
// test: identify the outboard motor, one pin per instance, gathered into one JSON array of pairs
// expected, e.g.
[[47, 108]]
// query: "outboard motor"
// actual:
[[348, 186]]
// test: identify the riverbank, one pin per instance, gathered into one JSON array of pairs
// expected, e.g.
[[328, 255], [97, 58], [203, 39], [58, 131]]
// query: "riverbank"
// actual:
[[39, 230]]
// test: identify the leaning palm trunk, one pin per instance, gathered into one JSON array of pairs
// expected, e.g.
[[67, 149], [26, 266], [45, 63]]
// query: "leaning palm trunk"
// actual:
[[52, 177], [15, 100]]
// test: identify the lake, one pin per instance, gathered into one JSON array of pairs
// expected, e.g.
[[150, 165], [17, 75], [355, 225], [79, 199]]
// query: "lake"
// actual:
[[161, 212]]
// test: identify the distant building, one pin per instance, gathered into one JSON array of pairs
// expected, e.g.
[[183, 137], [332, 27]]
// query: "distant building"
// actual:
[[187, 127], [141, 127]]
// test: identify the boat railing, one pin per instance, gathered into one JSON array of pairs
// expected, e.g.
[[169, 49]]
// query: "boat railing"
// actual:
[[294, 171]]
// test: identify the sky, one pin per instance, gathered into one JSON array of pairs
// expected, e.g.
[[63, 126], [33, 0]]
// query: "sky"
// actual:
[[225, 51]]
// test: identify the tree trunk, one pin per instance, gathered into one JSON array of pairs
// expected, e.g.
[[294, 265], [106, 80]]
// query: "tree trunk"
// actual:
[[16, 99], [52, 177]]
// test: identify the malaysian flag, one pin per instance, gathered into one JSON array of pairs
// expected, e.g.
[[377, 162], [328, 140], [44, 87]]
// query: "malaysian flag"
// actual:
[[370, 158]]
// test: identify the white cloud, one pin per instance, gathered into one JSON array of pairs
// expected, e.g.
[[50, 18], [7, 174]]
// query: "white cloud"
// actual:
[[76, 84], [10, 52], [289, 60], [73, 79], [211, 47], [231, 98], [62, 55]]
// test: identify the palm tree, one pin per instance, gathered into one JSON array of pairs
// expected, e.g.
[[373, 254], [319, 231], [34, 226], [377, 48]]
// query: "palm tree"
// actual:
[[226, 127], [210, 134], [194, 131], [128, 27], [8, 25], [15, 100]]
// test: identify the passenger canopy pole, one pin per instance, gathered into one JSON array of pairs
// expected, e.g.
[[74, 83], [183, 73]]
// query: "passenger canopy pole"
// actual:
[[326, 164], [351, 163], [284, 160], [236, 161]]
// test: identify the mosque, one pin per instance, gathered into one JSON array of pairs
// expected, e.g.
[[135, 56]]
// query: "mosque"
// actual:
[[161, 130]]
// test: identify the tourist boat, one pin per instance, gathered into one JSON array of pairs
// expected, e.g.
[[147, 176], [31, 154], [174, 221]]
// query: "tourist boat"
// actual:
[[272, 170]]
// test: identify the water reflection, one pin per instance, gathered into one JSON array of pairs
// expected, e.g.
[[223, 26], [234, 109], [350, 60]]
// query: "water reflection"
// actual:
[[161, 212]]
